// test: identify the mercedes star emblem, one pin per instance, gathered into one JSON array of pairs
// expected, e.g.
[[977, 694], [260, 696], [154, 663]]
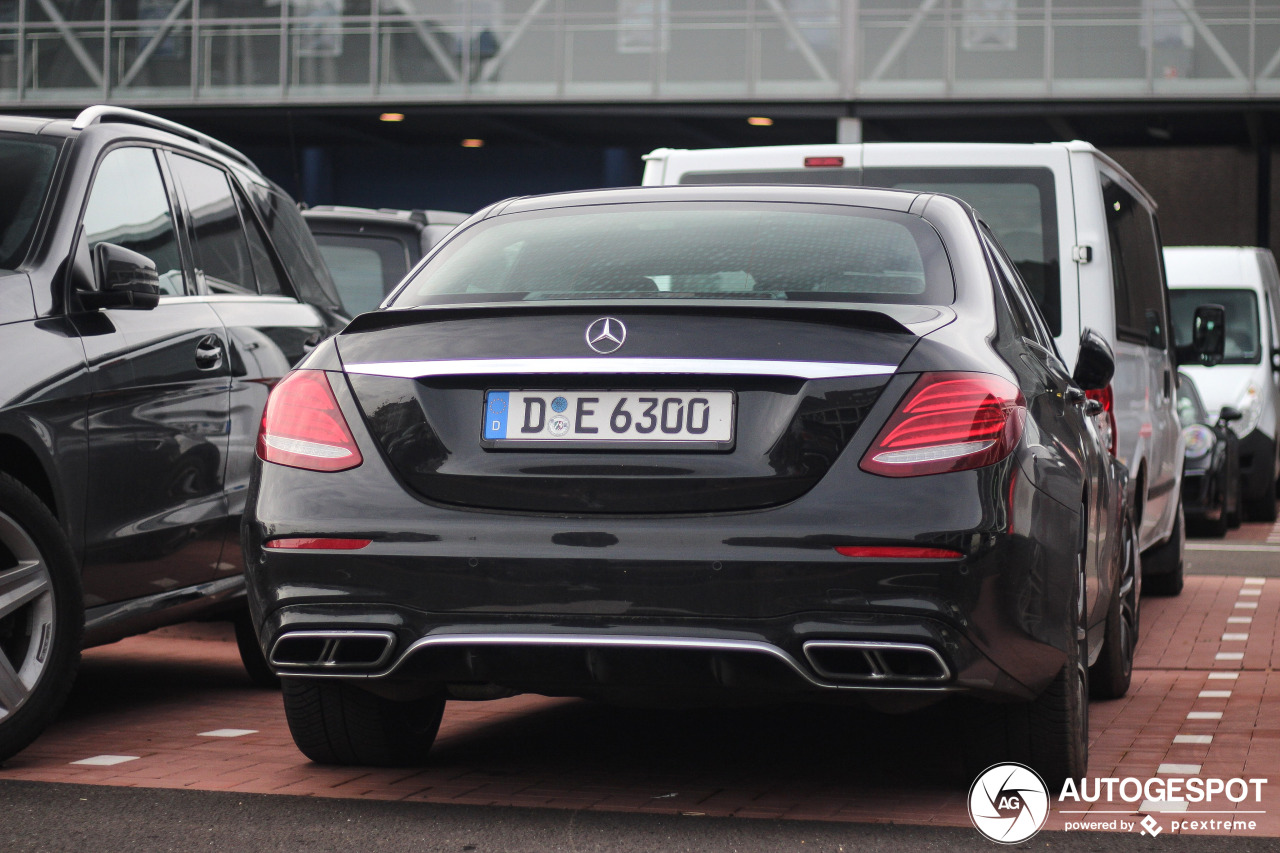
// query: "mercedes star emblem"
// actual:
[[606, 335]]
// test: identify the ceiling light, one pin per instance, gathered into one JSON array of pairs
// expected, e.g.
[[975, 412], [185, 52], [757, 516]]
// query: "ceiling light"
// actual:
[[391, 117], [760, 121], [473, 143]]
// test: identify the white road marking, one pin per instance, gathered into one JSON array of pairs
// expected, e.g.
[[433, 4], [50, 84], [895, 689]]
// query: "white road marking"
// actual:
[[1239, 620], [1224, 676], [228, 733], [1247, 605], [1163, 806], [1180, 769], [106, 760], [1234, 638], [1215, 694], [1200, 739], [1204, 715], [1229, 656]]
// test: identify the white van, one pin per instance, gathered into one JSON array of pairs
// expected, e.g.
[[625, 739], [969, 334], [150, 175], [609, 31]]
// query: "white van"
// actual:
[[1083, 235], [1245, 281]]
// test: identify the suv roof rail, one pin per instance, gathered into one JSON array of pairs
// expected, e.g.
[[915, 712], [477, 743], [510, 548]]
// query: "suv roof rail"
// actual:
[[105, 112]]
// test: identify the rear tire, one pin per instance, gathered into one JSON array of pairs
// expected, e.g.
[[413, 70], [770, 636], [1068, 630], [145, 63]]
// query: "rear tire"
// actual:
[[1049, 734], [41, 616], [335, 723], [1162, 566], [1111, 673]]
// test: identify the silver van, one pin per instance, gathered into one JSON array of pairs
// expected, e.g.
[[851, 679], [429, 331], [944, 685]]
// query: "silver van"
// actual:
[[1082, 234]]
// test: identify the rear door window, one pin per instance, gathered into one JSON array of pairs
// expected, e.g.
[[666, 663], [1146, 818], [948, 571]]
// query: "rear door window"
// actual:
[[217, 234], [1137, 274]]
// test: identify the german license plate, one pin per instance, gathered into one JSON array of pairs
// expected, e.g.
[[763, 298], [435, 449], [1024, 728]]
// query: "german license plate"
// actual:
[[603, 417]]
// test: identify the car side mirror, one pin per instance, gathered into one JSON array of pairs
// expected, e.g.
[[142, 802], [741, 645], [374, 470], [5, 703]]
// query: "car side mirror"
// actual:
[[124, 278], [1208, 337], [1095, 363], [1229, 414]]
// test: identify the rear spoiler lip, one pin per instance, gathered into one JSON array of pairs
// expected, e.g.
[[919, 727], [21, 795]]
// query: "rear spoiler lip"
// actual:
[[614, 366], [915, 320]]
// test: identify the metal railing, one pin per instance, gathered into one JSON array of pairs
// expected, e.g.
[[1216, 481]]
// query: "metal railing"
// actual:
[[311, 51]]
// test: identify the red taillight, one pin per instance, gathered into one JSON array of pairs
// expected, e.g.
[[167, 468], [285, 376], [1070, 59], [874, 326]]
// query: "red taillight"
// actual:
[[1106, 421], [302, 426], [307, 543], [823, 162], [948, 422], [898, 552]]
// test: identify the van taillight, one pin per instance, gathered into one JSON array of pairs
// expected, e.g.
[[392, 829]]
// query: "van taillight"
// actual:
[[302, 426], [1106, 421], [823, 162], [948, 422]]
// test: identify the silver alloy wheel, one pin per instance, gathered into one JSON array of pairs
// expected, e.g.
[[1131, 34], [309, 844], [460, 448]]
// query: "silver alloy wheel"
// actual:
[[26, 615]]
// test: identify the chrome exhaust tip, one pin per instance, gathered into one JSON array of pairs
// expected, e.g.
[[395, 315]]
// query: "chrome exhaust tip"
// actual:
[[865, 661], [330, 650]]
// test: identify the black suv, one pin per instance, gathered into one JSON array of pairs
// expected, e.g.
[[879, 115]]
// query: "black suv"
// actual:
[[154, 285], [369, 251]]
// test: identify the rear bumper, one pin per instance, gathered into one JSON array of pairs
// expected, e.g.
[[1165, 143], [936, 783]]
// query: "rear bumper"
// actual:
[[731, 607]]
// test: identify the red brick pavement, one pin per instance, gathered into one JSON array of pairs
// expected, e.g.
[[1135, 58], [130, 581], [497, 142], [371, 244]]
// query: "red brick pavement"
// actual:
[[150, 698]]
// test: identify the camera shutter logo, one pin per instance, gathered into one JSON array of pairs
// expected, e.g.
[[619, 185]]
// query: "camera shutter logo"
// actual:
[[606, 335], [1008, 803]]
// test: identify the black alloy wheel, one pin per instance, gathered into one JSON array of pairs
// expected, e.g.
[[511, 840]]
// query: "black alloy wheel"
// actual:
[[1111, 673]]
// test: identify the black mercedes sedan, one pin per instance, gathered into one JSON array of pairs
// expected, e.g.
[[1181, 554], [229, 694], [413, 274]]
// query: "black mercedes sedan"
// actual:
[[689, 445]]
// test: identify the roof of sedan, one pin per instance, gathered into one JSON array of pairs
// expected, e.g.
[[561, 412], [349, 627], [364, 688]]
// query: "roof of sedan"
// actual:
[[884, 199]]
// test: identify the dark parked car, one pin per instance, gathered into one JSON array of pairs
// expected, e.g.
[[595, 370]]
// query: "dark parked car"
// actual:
[[697, 444], [369, 251], [153, 286], [1211, 471]]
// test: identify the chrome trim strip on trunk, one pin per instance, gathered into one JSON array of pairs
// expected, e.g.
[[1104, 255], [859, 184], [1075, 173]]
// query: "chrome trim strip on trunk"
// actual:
[[609, 366], [639, 642]]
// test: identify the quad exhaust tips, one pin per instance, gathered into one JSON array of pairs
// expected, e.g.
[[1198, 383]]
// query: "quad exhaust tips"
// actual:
[[356, 650], [861, 661]]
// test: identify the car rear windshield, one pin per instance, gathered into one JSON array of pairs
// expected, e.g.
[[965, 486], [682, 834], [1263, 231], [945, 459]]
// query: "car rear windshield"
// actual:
[[26, 168], [1241, 346], [690, 251]]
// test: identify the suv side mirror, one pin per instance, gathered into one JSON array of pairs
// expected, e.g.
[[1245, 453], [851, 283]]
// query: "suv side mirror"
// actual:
[[125, 279], [1208, 337], [1229, 414], [1095, 364]]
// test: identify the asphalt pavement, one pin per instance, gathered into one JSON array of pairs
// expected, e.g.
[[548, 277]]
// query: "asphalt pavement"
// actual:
[[63, 818]]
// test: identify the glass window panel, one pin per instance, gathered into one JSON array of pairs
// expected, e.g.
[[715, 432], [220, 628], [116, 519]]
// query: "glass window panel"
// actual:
[[129, 206], [218, 241]]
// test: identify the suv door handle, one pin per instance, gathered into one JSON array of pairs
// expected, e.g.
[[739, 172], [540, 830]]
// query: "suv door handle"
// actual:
[[209, 353]]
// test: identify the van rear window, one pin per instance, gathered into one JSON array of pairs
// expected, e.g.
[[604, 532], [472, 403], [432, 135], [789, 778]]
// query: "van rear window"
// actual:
[[1019, 204]]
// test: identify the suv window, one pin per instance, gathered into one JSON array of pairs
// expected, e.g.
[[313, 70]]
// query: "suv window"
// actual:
[[25, 170], [220, 250], [1135, 267], [366, 268], [129, 206]]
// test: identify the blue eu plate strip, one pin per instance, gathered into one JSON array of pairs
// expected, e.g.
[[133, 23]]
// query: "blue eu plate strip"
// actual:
[[496, 408]]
